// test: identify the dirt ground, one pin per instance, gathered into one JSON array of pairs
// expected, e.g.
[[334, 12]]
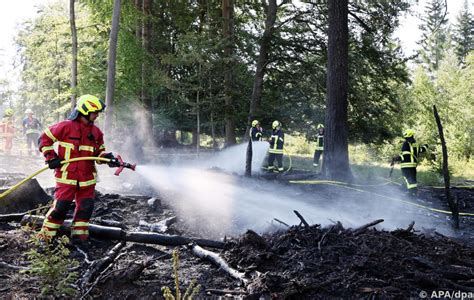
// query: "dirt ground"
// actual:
[[309, 262]]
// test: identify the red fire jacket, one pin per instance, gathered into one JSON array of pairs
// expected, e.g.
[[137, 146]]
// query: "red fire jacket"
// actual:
[[74, 139]]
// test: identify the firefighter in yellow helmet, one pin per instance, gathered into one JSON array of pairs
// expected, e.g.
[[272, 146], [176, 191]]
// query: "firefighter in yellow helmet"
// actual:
[[256, 131], [76, 137], [275, 151], [408, 159], [319, 145], [7, 130]]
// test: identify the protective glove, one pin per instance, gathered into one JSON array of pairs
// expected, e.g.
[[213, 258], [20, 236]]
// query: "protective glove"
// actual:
[[54, 163], [113, 163]]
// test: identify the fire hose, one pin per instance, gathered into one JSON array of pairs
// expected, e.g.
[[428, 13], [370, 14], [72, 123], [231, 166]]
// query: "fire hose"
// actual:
[[347, 185], [118, 160]]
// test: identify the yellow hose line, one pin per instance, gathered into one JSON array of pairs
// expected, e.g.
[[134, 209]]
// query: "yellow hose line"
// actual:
[[342, 183], [7, 192], [457, 186], [345, 185]]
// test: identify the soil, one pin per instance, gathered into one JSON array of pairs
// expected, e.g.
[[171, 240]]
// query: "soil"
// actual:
[[314, 262]]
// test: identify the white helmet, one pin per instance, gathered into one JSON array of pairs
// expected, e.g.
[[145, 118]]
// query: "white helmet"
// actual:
[[28, 111]]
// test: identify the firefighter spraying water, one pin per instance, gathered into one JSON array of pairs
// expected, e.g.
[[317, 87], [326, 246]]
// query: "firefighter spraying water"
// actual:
[[80, 144]]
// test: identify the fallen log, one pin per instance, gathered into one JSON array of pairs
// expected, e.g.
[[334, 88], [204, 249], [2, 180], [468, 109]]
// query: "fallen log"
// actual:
[[115, 233], [12, 217], [28, 196], [219, 262]]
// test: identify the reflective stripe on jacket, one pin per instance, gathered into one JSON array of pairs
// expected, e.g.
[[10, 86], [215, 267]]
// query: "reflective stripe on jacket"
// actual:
[[255, 134], [277, 141], [31, 126], [320, 142], [409, 155], [74, 139]]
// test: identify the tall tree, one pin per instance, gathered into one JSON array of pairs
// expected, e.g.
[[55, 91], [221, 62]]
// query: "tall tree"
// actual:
[[146, 44], [262, 60], [72, 21], [336, 156], [228, 35], [464, 33], [434, 34], [109, 93]]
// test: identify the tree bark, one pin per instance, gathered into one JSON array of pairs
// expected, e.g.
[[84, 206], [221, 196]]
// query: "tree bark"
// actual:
[[228, 35], [72, 21], [146, 44], [262, 61], [453, 204], [109, 94], [248, 159], [336, 156], [138, 28]]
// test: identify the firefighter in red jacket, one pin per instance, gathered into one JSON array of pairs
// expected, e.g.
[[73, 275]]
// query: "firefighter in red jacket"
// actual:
[[75, 137]]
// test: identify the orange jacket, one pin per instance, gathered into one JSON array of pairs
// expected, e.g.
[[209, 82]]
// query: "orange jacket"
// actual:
[[74, 139], [6, 127]]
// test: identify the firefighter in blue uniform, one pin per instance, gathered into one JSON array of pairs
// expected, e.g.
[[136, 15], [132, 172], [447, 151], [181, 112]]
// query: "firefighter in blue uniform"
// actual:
[[319, 145], [256, 131], [276, 147], [409, 159]]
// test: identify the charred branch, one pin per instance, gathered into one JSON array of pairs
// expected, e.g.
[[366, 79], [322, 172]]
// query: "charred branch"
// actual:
[[219, 262]]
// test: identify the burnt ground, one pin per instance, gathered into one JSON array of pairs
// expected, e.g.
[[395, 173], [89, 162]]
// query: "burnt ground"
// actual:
[[296, 262]]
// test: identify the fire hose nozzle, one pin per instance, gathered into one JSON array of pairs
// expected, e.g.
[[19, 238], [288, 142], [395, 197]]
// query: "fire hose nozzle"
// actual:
[[123, 165]]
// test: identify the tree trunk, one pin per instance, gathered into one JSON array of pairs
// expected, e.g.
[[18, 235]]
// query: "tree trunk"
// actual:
[[248, 159], [198, 120], [228, 35], [109, 94], [72, 20], [453, 204], [271, 11], [146, 44], [138, 28], [336, 156]]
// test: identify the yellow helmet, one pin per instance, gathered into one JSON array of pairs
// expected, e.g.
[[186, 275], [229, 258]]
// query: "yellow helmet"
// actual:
[[88, 103], [275, 124], [8, 112], [408, 133], [255, 123], [28, 111], [320, 126]]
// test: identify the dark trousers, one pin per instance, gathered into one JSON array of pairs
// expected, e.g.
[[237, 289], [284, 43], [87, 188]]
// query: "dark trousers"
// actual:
[[271, 159], [410, 177], [317, 156], [32, 141]]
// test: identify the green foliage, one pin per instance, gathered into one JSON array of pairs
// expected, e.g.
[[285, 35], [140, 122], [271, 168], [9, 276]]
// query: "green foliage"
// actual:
[[190, 292], [434, 34], [463, 36], [51, 266], [451, 92]]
